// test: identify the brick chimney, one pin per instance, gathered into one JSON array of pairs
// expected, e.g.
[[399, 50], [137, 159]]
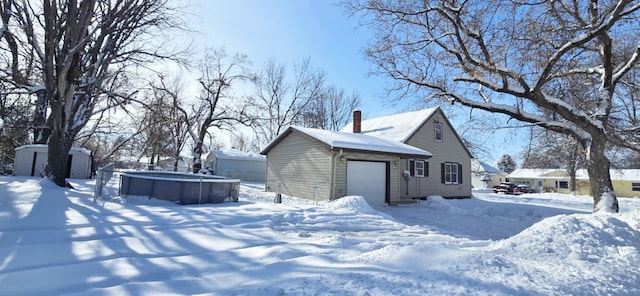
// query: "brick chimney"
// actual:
[[357, 121]]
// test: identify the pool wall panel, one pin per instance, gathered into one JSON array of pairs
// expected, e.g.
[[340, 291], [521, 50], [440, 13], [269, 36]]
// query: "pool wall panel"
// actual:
[[182, 188]]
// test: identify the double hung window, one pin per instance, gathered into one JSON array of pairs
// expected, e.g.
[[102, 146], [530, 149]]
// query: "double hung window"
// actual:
[[451, 173]]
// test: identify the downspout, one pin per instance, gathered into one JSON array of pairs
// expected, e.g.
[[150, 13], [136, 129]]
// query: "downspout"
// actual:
[[333, 178]]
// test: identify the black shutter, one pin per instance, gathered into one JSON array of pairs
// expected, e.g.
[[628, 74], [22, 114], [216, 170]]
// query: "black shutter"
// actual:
[[426, 169], [459, 174], [442, 173], [412, 168]]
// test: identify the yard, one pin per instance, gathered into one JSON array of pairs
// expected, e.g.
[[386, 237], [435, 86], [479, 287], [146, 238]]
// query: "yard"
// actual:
[[55, 240]]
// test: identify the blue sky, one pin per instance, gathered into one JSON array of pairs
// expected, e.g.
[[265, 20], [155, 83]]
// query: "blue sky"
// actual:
[[292, 30]]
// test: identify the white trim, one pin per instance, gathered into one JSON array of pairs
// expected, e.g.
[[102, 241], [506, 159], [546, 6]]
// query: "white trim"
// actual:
[[449, 176]]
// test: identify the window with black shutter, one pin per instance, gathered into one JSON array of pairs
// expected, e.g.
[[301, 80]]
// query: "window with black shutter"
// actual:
[[451, 173]]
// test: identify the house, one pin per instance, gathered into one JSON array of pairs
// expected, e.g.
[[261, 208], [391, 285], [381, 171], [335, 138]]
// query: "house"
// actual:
[[237, 164], [484, 175], [31, 160], [626, 182], [542, 180], [387, 160], [185, 163]]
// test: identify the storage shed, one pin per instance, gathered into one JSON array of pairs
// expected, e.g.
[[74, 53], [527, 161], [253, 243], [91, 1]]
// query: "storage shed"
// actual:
[[236, 164], [31, 160]]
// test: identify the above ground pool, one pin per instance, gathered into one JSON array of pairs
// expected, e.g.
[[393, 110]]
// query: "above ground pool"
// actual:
[[183, 188]]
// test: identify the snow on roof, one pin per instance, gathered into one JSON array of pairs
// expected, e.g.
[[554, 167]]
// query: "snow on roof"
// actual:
[[538, 173], [581, 174], [625, 174], [237, 154], [398, 127], [483, 167], [355, 142], [44, 146]]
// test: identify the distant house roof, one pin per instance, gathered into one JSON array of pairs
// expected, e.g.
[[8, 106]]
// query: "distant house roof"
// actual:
[[482, 167], [237, 155], [399, 127], [581, 174], [539, 173], [343, 140], [627, 174]]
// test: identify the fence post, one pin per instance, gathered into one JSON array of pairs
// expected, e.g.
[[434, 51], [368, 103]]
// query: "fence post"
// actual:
[[200, 195]]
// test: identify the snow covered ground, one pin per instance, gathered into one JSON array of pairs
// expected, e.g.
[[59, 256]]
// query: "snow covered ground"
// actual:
[[58, 241]]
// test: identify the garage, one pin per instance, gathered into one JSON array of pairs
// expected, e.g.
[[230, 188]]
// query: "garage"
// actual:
[[368, 179]]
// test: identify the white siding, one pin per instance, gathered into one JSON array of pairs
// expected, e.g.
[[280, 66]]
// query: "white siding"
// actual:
[[24, 162]]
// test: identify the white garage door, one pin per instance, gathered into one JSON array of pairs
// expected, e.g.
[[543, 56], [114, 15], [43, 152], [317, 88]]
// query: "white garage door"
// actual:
[[367, 179]]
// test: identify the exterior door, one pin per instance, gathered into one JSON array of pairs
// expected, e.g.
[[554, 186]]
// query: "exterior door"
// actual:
[[369, 180]]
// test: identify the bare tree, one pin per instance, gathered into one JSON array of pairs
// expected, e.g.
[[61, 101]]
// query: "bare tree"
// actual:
[[14, 124], [244, 142], [506, 57], [281, 100], [170, 92], [332, 109], [216, 106], [506, 164], [156, 129], [554, 150], [76, 47], [107, 134]]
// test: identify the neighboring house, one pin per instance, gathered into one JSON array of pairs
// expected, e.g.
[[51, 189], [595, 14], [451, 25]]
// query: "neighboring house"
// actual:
[[237, 164], [391, 159], [485, 176], [543, 180], [626, 182], [166, 164], [31, 160], [185, 164]]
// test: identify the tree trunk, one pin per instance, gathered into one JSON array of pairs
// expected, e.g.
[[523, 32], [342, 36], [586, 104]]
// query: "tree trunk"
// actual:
[[176, 160], [41, 131], [152, 159], [57, 158], [197, 158], [572, 180], [604, 198]]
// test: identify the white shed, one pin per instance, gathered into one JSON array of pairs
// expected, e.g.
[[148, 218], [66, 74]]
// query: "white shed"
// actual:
[[31, 160], [235, 164]]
